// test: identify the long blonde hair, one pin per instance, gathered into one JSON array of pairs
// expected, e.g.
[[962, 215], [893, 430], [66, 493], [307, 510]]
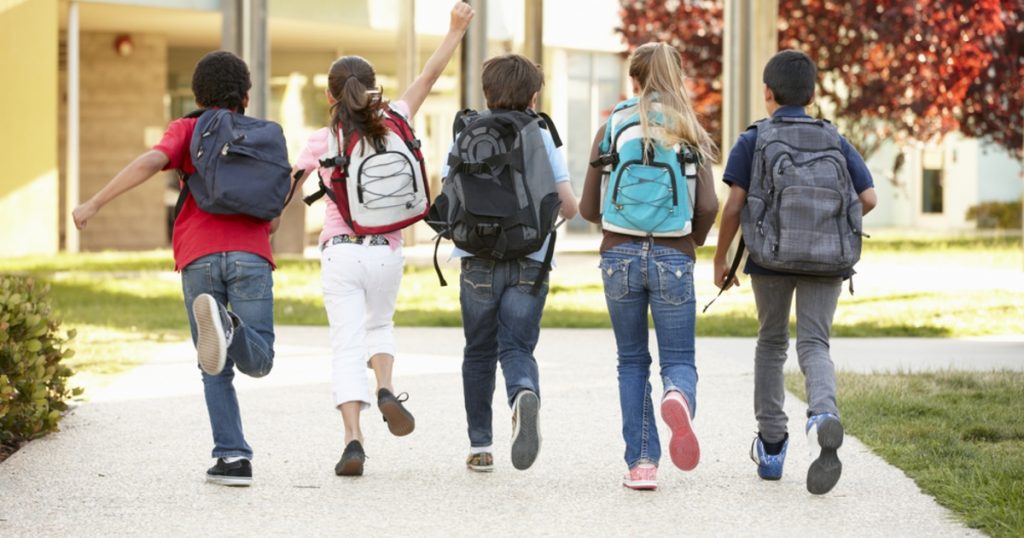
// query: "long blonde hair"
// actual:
[[657, 69]]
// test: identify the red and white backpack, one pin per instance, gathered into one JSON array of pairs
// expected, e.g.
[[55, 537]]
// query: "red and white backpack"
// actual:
[[377, 188]]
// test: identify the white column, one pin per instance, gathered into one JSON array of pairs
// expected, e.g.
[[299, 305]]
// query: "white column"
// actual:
[[72, 239], [533, 37], [750, 40], [244, 32], [474, 52]]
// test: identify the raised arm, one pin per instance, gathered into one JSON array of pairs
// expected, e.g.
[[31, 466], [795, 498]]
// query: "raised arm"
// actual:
[[417, 92], [142, 168]]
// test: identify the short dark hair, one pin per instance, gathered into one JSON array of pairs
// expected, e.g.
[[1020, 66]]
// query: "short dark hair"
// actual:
[[221, 80], [791, 76], [510, 82]]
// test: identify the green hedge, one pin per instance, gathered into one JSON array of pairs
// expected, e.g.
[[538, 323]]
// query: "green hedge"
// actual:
[[996, 215], [33, 381]]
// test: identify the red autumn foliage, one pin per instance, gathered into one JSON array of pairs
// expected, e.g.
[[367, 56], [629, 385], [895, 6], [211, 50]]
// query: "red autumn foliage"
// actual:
[[890, 69]]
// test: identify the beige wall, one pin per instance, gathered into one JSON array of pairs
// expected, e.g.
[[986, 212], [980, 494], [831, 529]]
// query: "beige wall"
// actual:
[[122, 97], [28, 149]]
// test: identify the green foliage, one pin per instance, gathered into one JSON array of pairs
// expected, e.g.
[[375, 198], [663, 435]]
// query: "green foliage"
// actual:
[[959, 435], [33, 387], [996, 215]]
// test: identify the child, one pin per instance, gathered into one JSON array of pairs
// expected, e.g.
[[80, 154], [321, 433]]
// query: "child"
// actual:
[[789, 79], [223, 259], [360, 274], [641, 269], [502, 300]]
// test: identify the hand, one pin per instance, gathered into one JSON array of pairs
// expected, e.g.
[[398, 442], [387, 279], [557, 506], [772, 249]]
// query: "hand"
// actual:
[[721, 273], [83, 213], [462, 13]]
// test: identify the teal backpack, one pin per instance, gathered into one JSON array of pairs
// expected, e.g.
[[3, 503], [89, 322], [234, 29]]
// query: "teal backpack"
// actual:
[[648, 188]]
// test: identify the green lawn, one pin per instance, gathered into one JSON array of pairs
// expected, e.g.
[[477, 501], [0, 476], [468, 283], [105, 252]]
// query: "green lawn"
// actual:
[[959, 435], [123, 302]]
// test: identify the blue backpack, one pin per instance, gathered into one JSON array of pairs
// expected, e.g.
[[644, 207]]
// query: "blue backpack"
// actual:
[[241, 165], [648, 188]]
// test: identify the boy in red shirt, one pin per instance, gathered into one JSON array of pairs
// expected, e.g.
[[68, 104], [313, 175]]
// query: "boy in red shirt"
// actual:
[[223, 260]]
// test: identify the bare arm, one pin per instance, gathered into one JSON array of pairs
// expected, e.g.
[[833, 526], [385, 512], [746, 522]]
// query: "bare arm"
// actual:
[[142, 168], [868, 199], [417, 92], [568, 199], [726, 232], [590, 201]]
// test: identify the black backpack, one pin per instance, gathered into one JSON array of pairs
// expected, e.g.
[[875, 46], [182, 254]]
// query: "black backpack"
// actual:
[[499, 200], [241, 165]]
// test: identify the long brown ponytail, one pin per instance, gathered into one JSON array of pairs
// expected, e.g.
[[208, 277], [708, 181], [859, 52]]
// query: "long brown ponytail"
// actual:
[[358, 99]]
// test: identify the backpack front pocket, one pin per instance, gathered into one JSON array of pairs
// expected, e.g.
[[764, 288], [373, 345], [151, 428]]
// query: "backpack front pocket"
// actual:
[[809, 226]]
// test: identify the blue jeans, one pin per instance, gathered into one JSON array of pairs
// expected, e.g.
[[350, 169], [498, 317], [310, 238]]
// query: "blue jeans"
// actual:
[[501, 321], [638, 275], [243, 282]]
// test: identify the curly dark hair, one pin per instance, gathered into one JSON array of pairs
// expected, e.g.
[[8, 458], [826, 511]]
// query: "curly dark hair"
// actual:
[[221, 80]]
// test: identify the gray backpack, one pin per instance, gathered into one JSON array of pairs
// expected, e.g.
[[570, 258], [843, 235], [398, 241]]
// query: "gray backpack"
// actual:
[[802, 214], [499, 200]]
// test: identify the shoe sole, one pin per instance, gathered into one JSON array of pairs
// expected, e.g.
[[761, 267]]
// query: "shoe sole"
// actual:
[[824, 472], [210, 345], [683, 448], [526, 438], [351, 467], [233, 481], [481, 469], [400, 420], [640, 485]]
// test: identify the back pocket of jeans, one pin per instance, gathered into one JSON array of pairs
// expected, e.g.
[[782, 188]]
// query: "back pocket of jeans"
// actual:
[[477, 277], [615, 274], [676, 281], [250, 281]]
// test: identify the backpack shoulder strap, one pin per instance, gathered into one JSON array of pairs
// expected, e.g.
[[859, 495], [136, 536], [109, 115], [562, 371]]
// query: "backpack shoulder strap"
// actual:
[[462, 119], [550, 126]]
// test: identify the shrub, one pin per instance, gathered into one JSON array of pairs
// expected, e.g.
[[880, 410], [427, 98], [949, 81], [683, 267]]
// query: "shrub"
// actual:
[[999, 215], [33, 387]]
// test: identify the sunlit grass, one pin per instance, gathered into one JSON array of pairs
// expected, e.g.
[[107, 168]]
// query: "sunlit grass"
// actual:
[[959, 435]]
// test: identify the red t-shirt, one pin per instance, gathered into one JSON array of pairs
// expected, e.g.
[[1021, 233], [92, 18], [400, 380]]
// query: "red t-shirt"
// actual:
[[196, 232]]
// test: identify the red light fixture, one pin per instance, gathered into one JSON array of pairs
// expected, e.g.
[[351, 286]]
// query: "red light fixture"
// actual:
[[124, 45]]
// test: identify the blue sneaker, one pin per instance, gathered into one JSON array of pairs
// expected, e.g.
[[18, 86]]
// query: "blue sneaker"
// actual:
[[769, 466], [824, 437]]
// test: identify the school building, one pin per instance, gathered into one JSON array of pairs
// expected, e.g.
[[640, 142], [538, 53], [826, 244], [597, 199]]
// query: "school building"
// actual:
[[134, 66], [133, 60]]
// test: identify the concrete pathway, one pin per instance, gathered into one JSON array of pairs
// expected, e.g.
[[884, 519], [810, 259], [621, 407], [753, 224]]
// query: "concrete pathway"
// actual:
[[132, 460]]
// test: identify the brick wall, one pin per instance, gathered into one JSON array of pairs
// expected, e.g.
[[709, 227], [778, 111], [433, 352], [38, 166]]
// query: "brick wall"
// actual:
[[122, 96]]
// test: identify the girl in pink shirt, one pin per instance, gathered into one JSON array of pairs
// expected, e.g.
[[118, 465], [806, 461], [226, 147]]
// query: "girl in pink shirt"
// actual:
[[360, 274]]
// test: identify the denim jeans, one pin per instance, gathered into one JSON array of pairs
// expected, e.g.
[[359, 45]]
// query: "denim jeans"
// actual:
[[816, 299], [243, 282], [501, 321], [636, 276]]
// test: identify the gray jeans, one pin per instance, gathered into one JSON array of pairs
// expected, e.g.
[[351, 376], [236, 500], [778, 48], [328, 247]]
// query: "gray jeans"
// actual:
[[816, 299]]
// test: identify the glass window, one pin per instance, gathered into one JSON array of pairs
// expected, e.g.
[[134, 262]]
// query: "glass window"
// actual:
[[931, 190]]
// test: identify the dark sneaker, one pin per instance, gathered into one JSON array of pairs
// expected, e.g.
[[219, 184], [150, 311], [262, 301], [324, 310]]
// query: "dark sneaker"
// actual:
[[351, 462], [481, 462], [400, 420], [525, 429], [236, 473], [824, 437], [214, 329], [769, 466]]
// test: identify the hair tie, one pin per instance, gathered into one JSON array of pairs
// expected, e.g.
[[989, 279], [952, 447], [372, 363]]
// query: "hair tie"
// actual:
[[351, 77]]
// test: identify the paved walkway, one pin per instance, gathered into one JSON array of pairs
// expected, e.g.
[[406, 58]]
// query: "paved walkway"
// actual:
[[131, 461]]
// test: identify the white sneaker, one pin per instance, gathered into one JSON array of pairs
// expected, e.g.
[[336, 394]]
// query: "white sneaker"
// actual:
[[214, 330]]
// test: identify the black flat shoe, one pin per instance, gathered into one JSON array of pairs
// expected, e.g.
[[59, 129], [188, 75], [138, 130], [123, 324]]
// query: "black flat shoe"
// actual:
[[351, 462], [400, 420]]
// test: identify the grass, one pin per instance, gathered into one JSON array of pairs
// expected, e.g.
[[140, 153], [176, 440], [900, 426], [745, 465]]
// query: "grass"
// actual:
[[959, 435], [123, 303]]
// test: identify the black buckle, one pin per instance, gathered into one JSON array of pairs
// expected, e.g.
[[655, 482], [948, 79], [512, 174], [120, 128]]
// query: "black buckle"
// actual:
[[605, 160], [338, 161], [414, 144], [487, 229]]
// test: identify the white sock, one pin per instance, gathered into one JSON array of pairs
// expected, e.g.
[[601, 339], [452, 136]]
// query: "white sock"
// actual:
[[481, 449], [233, 459]]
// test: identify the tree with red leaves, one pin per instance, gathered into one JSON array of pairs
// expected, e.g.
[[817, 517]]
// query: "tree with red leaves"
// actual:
[[890, 69]]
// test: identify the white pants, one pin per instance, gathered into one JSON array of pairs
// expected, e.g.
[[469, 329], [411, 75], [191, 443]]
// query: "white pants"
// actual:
[[360, 284]]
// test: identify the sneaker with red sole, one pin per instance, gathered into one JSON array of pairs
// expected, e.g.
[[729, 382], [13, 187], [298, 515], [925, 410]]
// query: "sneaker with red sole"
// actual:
[[683, 447], [642, 477]]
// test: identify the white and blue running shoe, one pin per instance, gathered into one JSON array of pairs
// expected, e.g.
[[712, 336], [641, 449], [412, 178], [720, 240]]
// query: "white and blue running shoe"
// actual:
[[769, 466], [824, 437]]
